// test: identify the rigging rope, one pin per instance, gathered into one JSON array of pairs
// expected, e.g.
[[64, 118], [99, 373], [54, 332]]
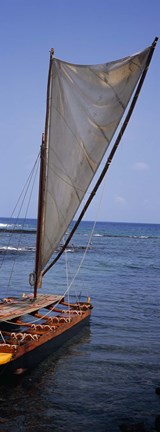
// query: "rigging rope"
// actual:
[[13, 212], [31, 178], [89, 240], [1, 334], [66, 263]]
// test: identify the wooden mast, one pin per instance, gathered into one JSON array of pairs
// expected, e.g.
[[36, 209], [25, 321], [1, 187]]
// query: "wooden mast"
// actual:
[[42, 188], [109, 160]]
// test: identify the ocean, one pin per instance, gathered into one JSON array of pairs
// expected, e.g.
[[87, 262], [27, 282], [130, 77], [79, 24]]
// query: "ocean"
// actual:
[[106, 376]]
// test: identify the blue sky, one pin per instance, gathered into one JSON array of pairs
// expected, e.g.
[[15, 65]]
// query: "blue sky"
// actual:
[[81, 31]]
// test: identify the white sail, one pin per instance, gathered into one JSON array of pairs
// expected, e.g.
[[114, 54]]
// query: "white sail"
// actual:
[[86, 106]]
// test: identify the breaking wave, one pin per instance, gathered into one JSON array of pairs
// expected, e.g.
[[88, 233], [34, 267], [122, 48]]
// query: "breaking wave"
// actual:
[[12, 249]]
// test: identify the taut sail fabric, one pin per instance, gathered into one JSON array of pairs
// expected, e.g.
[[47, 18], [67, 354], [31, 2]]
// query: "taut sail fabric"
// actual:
[[86, 106]]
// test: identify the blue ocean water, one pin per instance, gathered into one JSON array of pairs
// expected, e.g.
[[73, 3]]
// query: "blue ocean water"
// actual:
[[107, 375]]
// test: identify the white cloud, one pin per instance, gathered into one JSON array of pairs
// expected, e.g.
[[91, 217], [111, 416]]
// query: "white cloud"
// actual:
[[141, 166], [120, 200]]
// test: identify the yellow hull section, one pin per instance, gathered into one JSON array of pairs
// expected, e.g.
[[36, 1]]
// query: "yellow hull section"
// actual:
[[5, 358]]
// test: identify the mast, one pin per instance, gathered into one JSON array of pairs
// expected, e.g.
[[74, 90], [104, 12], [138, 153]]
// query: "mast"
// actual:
[[42, 187], [109, 160]]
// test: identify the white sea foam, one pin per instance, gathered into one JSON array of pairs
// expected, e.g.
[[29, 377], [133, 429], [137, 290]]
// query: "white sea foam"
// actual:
[[13, 226], [3, 225], [19, 249]]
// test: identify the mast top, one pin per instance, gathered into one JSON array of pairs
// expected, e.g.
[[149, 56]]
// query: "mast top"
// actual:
[[51, 53], [156, 39]]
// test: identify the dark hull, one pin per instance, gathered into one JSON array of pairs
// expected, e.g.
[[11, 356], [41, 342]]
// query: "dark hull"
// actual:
[[31, 358]]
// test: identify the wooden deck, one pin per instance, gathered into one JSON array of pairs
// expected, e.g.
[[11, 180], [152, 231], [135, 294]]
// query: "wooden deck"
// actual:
[[13, 308]]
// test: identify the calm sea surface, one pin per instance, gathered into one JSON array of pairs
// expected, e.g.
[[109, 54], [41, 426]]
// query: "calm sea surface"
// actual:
[[107, 375]]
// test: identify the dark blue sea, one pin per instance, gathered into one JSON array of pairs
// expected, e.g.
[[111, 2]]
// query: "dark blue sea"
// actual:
[[107, 375]]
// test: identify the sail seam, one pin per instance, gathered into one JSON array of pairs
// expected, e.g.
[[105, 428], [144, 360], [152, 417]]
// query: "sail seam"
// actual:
[[74, 135], [109, 85], [85, 153], [76, 188]]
